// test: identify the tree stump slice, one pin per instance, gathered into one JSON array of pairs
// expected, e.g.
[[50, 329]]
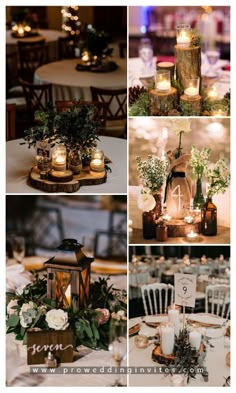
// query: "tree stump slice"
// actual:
[[85, 178], [166, 66], [178, 228], [188, 63], [158, 356], [194, 103], [163, 102], [60, 177]]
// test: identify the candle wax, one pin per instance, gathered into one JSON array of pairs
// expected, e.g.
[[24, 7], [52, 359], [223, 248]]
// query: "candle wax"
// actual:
[[195, 339], [163, 85], [183, 39], [167, 340], [191, 91]]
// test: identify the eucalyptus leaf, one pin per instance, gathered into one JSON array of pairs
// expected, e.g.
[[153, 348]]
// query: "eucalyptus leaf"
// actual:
[[13, 320]]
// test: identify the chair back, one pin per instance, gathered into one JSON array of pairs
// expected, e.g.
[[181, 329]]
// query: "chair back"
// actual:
[[36, 96], [218, 300], [31, 55], [66, 48], [123, 50], [157, 297], [10, 121], [11, 71], [116, 99]]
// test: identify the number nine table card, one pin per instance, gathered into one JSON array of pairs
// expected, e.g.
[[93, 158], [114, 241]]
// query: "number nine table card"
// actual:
[[185, 289]]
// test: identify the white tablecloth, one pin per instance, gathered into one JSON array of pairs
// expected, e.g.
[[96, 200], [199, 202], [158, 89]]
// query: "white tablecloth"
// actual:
[[215, 363], [69, 84], [20, 159]]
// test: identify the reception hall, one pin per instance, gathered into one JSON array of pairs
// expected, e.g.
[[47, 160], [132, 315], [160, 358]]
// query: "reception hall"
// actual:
[[66, 84]]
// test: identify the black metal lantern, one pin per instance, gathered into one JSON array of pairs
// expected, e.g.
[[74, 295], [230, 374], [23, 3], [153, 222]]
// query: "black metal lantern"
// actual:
[[68, 275]]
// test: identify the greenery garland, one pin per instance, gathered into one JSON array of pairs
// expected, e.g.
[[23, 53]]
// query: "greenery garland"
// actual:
[[31, 308]]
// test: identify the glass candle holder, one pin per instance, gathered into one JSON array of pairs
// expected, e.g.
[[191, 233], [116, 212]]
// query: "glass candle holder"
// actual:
[[192, 87], [212, 93], [167, 336], [97, 161], [219, 110], [162, 81], [146, 55], [59, 158], [44, 166], [183, 35], [75, 161]]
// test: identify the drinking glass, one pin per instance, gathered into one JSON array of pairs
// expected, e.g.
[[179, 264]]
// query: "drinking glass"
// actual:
[[118, 342], [213, 55], [18, 248]]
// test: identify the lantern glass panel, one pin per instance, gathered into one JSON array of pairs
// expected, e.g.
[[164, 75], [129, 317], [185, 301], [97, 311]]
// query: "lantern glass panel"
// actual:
[[63, 289]]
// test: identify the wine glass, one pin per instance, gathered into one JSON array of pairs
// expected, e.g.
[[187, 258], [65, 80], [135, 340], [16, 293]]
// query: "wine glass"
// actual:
[[213, 55], [118, 341], [18, 248]]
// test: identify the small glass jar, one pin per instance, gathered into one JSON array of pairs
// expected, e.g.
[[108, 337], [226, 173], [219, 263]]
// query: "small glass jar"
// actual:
[[167, 336], [75, 161], [59, 156], [192, 87], [183, 35], [161, 232], [97, 161], [162, 82], [44, 166], [209, 218], [146, 55]]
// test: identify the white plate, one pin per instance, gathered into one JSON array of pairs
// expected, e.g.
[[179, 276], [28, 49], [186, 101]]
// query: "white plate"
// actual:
[[210, 319], [16, 269], [155, 318]]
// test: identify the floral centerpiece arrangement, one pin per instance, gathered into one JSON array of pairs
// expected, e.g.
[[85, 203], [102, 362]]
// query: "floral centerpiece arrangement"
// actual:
[[199, 163], [29, 307]]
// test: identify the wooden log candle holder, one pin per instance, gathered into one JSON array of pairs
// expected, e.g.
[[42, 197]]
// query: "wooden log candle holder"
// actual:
[[163, 101], [159, 357], [166, 65], [188, 63], [194, 103], [178, 228], [84, 178]]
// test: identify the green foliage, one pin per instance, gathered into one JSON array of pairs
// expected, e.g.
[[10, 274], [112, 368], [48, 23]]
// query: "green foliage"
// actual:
[[186, 109], [152, 172], [96, 42], [208, 104], [177, 85], [196, 38], [141, 107], [218, 178], [199, 161]]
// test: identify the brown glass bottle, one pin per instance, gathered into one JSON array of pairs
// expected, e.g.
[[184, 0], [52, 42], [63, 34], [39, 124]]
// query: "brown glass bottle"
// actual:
[[209, 218], [149, 226], [161, 233]]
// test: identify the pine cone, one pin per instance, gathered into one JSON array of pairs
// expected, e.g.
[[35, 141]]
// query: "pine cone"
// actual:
[[195, 41], [134, 93]]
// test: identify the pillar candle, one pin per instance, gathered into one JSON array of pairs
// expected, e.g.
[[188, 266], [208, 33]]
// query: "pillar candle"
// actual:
[[174, 317], [195, 339], [167, 339]]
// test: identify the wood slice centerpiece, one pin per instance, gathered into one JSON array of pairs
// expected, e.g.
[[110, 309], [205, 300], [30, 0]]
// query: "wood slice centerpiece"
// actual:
[[163, 101], [68, 185], [194, 103], [178, 228], [159, 357], [188, 63]]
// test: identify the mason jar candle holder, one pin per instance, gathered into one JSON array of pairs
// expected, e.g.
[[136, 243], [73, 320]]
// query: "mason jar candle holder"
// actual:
[[192, 87], [59, 156], [97, 161], [44, 166], [162, 81], [219, 110], [75, 161], [183, 36]]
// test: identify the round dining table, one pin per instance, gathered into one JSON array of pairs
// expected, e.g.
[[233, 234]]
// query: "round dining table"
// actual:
[[215, 361], [70, 84], [20, 159]]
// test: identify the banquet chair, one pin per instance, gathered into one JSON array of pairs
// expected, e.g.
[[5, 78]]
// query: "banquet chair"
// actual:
[[66, 48], [116, 99], [10, 121], [13, 89], [218, 300], [157, 297], [36, 96], [31, 55]]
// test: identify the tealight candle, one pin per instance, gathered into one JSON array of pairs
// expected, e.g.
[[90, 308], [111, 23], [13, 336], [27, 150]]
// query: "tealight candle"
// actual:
[[212, 93], [97, 161], [27, 28], [163, 81], [188, 219], [191, 87], [166, 217], [167, 335], [192, 236], [195, 339], [59, 158], [21, 30], [183, 35], [219, 113], [85, 57]]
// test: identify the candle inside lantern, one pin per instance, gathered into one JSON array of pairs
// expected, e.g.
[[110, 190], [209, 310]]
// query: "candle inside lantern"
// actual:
[[59, 158], [97, 161], [163, 81], [174, 317], [167, 334], [191, 87], [183, 35], [195, 339], [68, 295]]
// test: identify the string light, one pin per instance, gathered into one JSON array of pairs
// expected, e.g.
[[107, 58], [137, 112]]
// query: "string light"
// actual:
[[70, 21]]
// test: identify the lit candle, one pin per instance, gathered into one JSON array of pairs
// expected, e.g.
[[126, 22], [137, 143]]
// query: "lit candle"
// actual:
[[97, 165], [219, 113], [85, 57], [192, 236], [163, 80], [174, 317], [59, 158], [191, 91], [68, 295], [15, 28], [183, 39], [213, 93], [27, 28], [167, 338], [163, 86], [188, 219], [195, 339], [21, 30], [166, 217]]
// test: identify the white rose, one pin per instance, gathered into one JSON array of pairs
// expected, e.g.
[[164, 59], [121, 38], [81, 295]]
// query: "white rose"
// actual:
[[26, 306], [10, 310], [57, 319], [25, 322], [179, 125], [146, 202]]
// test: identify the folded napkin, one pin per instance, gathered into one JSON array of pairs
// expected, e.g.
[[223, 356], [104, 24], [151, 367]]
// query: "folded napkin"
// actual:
[[16, 277]]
